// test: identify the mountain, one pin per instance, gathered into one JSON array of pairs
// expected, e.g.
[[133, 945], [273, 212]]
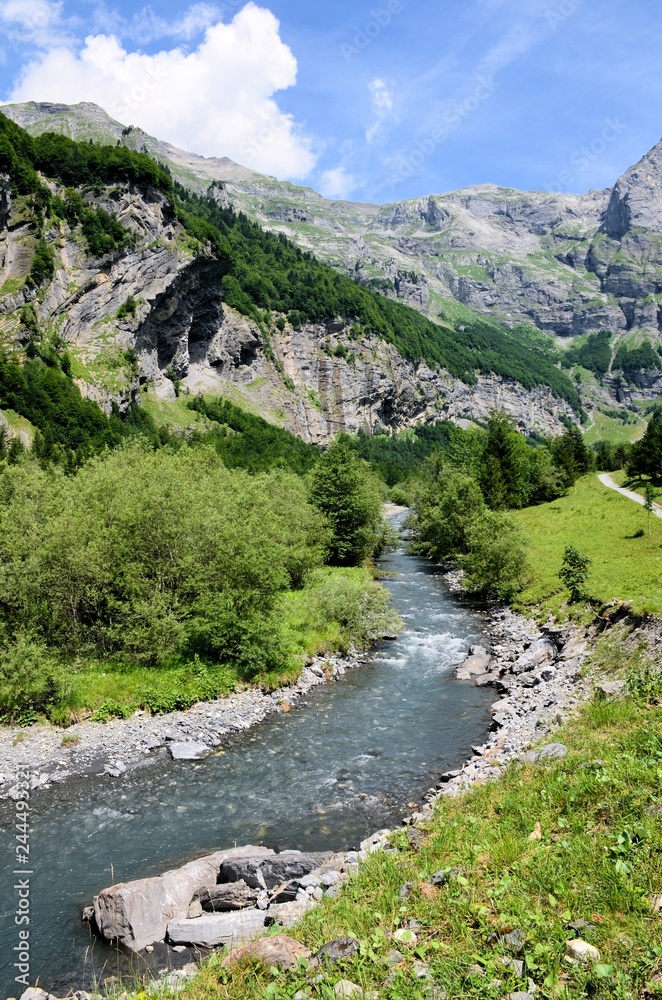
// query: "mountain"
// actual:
[[149, 288], [570, 264]]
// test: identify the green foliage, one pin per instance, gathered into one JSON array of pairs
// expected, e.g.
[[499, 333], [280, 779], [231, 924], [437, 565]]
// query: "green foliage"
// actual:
[[102, 231], [345, 490], [574, 572], [633, 360], [446, 504], [363, 611], [571, 455], [502, 474], [148, 556], [610, 457], [244, 440], [496, 560], [594, 354], [398, 457], [30, 679], [67, 422], [128, 308], [42, 268], [645, 457]]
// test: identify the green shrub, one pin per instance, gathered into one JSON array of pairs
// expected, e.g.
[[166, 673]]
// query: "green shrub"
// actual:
[[30, 680], [574, 572], [42, 268], [496, 561]]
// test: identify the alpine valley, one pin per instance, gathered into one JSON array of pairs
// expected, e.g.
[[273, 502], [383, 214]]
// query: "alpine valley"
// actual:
[[198, 276]]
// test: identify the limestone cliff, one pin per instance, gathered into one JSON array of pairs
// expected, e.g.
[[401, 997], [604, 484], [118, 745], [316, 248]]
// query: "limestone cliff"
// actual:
[[152, 314]]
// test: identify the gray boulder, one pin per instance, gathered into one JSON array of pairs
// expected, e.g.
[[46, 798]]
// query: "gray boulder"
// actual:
[[610, 690], [267, 873], [473, 666], [229, 896], [137, 913], [188, 750], [214, 929], [539, 652]]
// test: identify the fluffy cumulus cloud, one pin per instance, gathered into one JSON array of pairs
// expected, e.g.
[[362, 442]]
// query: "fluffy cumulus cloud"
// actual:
[[217, 99], [337, 183], [381, 99]]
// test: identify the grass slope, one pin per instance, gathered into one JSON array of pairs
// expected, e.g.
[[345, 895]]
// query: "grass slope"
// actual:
[[598, 859], [601, 524]]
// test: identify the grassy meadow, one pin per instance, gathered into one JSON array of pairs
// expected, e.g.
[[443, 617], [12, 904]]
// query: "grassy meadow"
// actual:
[[603, 525]]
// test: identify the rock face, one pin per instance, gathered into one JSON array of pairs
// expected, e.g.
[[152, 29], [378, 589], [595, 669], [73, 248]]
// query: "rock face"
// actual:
[[570, 263], [315, 381], [267, 873], [138, 913]]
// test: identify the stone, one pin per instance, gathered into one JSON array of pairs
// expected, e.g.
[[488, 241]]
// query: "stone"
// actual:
[[214, 929], [415, 838], [405, 936], [195, 909], [421, 970], [34, 993], [536, 833], [539, 652], [502, 707], [394, 957], [656, 903], [338, 950], [281, 951], [137, 913], [520, 995], [514, 940], [289, 914], [344, 988], [552, 751], [581, 925], [267, 873], [327, 879], [473, 666], [189, 750], [87, 916], [484, 680], [515, 964], [406, 890], [610, 690], [228, 896], [581, 951]]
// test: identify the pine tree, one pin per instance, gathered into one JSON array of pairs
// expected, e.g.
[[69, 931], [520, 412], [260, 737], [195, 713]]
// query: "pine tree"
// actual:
[[503, 467]]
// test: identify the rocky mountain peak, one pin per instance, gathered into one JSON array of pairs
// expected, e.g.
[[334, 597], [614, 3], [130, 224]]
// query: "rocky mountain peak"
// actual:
[[636, 198]]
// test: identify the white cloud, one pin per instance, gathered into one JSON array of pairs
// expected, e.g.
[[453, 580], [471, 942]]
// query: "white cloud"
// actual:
[[337, 183], [30, 20], [382, 105], [216, 100]]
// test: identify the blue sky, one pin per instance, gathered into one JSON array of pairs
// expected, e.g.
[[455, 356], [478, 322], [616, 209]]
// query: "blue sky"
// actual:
[[376, 101]]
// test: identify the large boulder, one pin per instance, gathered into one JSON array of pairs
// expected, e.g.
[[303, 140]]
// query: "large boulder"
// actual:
[[473, 666], [539, 652], [137, 913], [214, 929], [281, 952], [266, 873], [229, 896]]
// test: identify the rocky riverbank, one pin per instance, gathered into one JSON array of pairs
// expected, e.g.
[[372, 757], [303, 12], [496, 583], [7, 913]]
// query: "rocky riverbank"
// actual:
[[54, 755]]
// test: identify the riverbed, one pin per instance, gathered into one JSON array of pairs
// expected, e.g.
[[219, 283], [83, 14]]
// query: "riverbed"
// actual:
[[351, 757]]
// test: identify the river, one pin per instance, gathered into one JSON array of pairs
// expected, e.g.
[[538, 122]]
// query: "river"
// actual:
[[346, 761]]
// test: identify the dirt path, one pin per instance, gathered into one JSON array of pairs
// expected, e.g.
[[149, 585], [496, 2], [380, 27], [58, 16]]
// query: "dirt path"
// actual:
[[607, 481]]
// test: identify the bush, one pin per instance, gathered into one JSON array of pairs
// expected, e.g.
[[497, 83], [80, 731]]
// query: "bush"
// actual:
[[444, 510], [574, 572], [363, 611], [43, 265], [496, 560], [30, 681]]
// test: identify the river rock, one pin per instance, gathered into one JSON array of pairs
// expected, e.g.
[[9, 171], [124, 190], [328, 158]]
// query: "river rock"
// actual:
[[189, 750], [473, 666], [229, 896], [281, 952], [337, 951], [267, 873], [610, 690], [137, 913], [539, 652], [289, 914], [581, 951], [214, 929]]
